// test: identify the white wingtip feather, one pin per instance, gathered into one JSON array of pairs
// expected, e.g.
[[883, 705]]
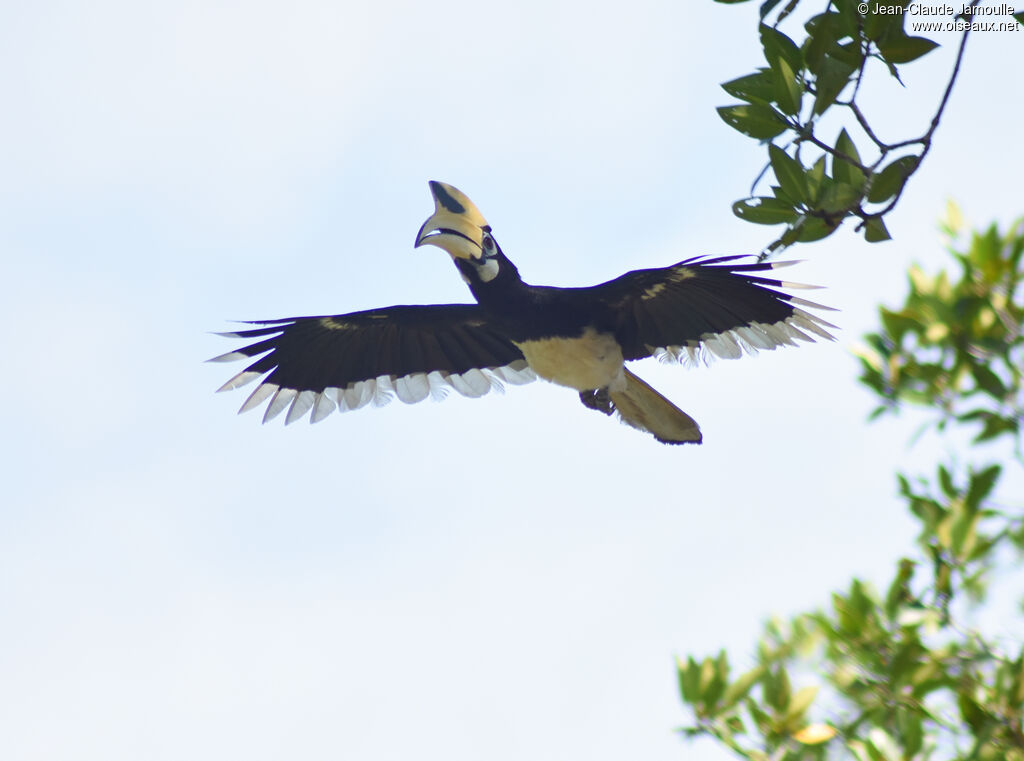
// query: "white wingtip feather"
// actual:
[[323, 406], [412, 388], [814, 324], [517, 373], [799, 286], [258, 396], [244, 377], [383, 391], [438, 385], [378, 391], [282, 398], [471, 383], [811, 305], [300, 405], [231, 356]]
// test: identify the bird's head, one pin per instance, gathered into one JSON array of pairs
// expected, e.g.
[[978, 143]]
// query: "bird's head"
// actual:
[[459, 228], [456, 225]]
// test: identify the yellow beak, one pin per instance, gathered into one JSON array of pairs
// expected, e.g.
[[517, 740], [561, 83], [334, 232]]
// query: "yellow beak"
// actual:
[[456, 225]]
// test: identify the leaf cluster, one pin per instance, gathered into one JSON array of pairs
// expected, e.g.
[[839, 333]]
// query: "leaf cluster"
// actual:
[[900, 676], [955, 345], [819, 181]]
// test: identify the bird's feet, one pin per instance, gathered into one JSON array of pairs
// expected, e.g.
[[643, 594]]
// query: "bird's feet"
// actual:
[[597, 399]]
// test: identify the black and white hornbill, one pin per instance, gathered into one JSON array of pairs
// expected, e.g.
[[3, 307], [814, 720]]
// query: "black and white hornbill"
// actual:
[[576, 337]]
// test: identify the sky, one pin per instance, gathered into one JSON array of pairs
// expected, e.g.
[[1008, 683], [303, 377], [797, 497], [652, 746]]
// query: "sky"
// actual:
[[507, 577]]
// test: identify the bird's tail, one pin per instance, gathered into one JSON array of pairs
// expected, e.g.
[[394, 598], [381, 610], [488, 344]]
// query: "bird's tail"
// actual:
[[642, 407]]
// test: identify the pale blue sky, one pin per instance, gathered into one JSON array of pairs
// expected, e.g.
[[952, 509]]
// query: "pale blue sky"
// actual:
[[501, 578]]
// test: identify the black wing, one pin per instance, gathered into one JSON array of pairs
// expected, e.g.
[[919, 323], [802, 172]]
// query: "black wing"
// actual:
[[707, 303], [346, 361]]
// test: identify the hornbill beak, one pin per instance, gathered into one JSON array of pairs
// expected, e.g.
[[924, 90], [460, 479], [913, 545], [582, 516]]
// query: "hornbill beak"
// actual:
[[456, 225]]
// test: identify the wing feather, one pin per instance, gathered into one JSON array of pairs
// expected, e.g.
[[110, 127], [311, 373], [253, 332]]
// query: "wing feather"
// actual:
[[317, 365], [706, 307]]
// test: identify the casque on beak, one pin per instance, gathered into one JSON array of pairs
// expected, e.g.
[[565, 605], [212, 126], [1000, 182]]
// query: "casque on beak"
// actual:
[[456, 225]]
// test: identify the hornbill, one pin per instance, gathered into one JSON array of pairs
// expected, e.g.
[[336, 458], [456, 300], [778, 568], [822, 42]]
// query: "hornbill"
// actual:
[[576, 337]]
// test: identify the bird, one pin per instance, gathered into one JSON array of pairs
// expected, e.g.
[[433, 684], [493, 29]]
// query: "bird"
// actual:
[[580, 337]]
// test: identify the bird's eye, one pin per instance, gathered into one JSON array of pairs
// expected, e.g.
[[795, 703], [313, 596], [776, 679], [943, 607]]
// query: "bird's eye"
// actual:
[[488, 244]]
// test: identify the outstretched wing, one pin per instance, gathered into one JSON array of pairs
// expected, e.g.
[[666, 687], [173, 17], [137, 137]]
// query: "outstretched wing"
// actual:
[[346, 361], [708, 304]]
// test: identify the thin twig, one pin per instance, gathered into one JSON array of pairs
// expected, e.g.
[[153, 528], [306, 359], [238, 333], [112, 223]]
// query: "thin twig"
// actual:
[[863, 122], [926, 141], [808, 135]]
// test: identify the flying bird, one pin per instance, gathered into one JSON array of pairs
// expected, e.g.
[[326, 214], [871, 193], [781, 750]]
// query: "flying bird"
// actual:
[[516, 332]]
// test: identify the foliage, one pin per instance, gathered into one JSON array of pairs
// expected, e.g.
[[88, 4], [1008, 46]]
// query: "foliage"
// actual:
[[820, 181], [901, 675], [954, 346]]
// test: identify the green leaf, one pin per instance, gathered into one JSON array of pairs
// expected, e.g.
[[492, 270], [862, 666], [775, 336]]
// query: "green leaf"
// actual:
[[888, 182], [874, 23], [760, 716], [906, 49], [689, 680], [963, 533], [849, 53], [849, 20], [927, 674], [833, 76], [787, 90], [767, 6], [790, 174], [713, 694], [1017, 693], [982, 484], [946, 482], [880, 27], [753, 88], [822, 34], [778, 46], [988, 381], [799, 704], [875, 231], [911, 730], [713, 691], [755, 120], [899, 591], [780, 194], [843, 170], [861, 597], [707, 675], [764, 211], [973, 714], [815, 178], [814, 229], [738, 690], [850, 619], [838, 197], [1019, 17], [996, 426], [776, 688]]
